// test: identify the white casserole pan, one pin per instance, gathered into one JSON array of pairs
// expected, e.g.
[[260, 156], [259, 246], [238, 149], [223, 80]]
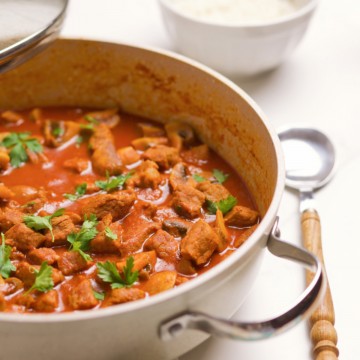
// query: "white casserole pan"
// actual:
[[160, 86]]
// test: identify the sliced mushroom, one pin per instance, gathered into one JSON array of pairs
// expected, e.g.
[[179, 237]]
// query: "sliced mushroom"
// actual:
[[180, 175], [150, 130], [12, 117], [59, 132], [179, 133], [147, 142], [109, 117], [221, 231]]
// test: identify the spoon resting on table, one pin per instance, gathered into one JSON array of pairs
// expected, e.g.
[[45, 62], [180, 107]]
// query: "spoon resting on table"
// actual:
[[310, 163]]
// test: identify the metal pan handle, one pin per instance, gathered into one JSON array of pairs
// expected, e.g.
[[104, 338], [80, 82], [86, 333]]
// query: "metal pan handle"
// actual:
[[263, 329]]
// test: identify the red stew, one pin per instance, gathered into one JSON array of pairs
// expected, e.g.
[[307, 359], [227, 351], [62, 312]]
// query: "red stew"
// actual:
[[99, 208]]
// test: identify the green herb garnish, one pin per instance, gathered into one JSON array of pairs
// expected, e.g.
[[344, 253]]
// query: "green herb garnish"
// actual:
[[91, 120], [224, 205], [43, 279], [220, 176], [109, 273], [80, 241], [18, 143], [198, 178], [57, 131], [112, 182], [80, 190], [110, 234], [37, 223], [79, 140], [6, 266], [98, 295]]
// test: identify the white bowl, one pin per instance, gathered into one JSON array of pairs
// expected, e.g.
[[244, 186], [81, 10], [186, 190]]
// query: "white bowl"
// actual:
[[237, 50]]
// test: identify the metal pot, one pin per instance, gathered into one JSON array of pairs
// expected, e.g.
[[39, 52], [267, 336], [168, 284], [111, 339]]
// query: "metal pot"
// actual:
[[160, 86]]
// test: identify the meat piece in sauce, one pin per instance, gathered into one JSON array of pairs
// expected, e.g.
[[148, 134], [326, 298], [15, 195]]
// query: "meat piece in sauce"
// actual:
[[109, 117], [165, 156], [164, 244], [71, 262], [128, 155], [57, 133], [5, 193], [147, 142], [9, 217], [38, 256], [117, 204], [160, 281], [199, 243], [213, 192], [24, 238], [180, 175], [221, 231], [241, 216], [146, 175], [176, 227], [196, 155], [188, 201], [102, 243], [46, 302], [104, 158], [151, 130], [78, 293], [77, 165], [62, 227], [4, 159], [120, 296], [10, 285]]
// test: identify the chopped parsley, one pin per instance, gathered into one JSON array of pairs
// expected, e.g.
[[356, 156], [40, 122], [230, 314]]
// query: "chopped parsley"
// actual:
[[80, 190], [220, 176], [198, 178], [18, 143], [43, 278], [80, 241], [91, 120], [37, 223], [224, 205], [109, 273], [112, 182], [79, 140], [57, 131], [110, 234], [6, 266], [98, 295]]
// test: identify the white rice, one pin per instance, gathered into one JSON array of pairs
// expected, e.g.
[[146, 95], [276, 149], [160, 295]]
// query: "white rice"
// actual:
[[237, 11]]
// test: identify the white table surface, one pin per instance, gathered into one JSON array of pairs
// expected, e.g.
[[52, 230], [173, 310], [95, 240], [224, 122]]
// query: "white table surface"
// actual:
[[319, 84]]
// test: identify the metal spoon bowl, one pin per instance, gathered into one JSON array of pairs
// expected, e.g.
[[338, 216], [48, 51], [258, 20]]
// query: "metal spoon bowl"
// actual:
[[310, 164], [27, 27]]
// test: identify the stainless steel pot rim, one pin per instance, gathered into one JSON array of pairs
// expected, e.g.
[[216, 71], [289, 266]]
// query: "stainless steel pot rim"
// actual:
[[244, 251]]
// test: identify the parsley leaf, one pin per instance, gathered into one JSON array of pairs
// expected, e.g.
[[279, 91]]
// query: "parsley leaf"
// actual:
[[198, 178], [37, 223], [91, 120], [113, 182], [18, 143], [220, 176], [109, 273], [81, 241], [80, 190], [57, 131], [79, 140], [110, 234], [224, 205], [6, 266], [43, 279], [98, 295]]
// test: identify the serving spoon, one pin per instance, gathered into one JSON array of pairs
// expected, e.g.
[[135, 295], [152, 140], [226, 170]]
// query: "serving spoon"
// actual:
[[310, 164]]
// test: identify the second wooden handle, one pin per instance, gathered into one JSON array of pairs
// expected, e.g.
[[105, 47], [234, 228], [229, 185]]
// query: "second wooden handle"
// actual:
[[323, 334]]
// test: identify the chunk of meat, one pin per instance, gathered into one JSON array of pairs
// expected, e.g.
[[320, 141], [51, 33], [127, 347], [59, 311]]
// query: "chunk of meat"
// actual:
[[26, 273], [146, 208], [102, 243], [38, 256], [117, 204], [108, 117], [160, 282], [146, 176], [241, 216], [2, 302], [79, 294], [11, 285], [221, 231], [12, 117], [196, 155], [104, 158], [176, 227], [213, 192], [165, 156], [4, 160], [47, 302], [128, 155], [77, 165], [25, 193], [9, 217], [5, 193], [150, 130], [62, 227], [199, 243], [164, 244], [180, 175], [71, 262], [188, 201], [179, 134], [24, 238], [147, 142], [120, 296], [239, 240]]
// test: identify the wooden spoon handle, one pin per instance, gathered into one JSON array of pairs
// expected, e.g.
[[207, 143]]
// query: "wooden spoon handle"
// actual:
[[323, 334]]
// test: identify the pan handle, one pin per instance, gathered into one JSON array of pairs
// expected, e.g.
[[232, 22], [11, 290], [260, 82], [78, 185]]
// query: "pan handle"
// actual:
[[257, 330]]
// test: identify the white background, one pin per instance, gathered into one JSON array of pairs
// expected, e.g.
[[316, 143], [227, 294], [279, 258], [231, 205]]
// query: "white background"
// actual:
[[319, 84]]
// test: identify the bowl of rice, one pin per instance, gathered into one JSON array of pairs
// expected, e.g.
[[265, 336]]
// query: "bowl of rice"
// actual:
[[237, 37]]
